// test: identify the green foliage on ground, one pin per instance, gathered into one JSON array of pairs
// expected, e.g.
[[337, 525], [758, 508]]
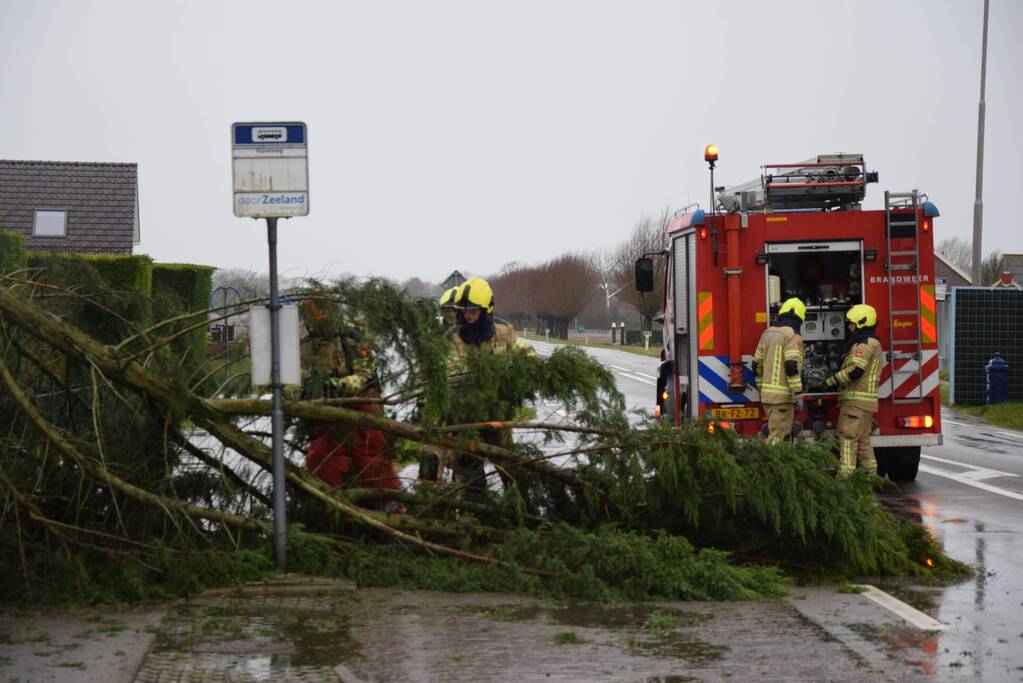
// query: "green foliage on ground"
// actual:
[[1008, 414], [654, 351], [637, 512]]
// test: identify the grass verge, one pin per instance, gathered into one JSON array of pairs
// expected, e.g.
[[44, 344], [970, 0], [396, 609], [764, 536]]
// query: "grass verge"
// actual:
[[1009, 414], [639, 350]]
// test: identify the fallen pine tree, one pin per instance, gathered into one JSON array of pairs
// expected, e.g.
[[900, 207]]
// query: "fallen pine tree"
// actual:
[[108, 493]]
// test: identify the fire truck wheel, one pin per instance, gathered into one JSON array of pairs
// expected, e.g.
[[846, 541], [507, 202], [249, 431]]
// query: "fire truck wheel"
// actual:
[[899, 464]]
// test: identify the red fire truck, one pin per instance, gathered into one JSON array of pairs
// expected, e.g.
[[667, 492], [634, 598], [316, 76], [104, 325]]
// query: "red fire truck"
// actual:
[[799, 230]]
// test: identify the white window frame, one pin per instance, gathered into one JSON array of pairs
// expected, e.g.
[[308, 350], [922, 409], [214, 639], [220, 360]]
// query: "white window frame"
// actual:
[[35, 223]]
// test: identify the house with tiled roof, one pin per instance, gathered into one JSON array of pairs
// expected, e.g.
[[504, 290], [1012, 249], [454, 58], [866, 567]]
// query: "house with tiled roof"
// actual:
[[63, 206]]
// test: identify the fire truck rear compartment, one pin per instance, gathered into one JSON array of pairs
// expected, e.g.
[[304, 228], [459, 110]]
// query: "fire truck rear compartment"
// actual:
[[828, 278]]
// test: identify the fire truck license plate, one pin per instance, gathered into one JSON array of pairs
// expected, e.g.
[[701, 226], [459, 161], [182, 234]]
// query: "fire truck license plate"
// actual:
[[735, 413]]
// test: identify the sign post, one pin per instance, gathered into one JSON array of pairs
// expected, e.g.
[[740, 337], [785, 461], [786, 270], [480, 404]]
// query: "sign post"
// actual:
[[270, 170]]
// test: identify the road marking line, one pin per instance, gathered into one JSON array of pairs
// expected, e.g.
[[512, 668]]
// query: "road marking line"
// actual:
[[955, 476], [1012, 434], [901, 609], [957, 424], [643, 374], [638, 379], [976, 473]]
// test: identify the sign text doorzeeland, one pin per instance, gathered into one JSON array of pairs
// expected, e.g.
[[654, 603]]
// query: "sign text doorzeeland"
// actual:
[[270, 169]]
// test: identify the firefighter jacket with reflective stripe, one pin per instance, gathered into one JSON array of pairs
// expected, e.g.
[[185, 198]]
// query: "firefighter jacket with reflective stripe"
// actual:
[[777, 345], [861, 392]]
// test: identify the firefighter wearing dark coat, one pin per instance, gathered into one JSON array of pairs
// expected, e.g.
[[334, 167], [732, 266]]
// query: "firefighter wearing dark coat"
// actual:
[[336, 361], [778, 369], [857, 391]]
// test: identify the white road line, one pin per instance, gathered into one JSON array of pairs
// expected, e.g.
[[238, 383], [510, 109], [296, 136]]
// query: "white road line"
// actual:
[[901, 609], [976, 473], [957, 424], [638, 379], [963, 479], [1014, 435]]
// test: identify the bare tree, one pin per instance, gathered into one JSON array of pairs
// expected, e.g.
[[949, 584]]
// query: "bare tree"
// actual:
[[990, 268], [420, 289], [958, 251], [567, 284], [513, 294], [249, 284], [648, 236]]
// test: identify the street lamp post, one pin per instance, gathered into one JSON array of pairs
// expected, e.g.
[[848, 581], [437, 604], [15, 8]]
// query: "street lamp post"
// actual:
[[608, 295], [978, 203]]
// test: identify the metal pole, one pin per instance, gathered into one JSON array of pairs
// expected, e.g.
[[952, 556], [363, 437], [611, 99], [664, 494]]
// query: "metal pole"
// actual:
[[276, 414], [978, 203]]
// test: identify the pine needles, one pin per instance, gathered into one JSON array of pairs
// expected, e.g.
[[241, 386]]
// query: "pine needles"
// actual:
[[102, 462]]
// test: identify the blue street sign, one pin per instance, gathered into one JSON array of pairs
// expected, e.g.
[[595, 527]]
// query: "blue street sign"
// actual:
[[292, 134]]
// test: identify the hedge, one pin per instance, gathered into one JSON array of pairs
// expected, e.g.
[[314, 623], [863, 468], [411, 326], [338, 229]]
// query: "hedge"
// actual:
[[12, 252], [179, 288]]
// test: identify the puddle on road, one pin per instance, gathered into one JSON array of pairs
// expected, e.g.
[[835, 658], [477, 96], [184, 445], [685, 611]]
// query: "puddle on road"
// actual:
[[259, 639], [648, 630], [989, 444], [297, 636], [926, 600], [595, 615]]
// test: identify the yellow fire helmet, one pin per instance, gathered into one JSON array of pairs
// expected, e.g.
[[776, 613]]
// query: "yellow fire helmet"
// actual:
[[448, 298], [475, 293], [793, 305], [862, 315]]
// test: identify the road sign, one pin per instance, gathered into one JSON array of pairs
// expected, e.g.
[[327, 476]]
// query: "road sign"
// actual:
[[270, 167]]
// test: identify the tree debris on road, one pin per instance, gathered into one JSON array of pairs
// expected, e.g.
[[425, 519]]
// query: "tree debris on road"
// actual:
[[108, 494]]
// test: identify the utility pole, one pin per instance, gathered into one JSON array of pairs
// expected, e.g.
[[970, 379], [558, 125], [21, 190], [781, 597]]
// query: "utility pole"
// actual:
[[978, 202]]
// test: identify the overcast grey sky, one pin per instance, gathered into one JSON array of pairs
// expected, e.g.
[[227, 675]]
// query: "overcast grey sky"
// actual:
[[470, 134]]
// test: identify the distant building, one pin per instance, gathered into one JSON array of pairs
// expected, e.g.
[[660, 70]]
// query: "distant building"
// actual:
[[79, 207], [947, 275], [453, 280]]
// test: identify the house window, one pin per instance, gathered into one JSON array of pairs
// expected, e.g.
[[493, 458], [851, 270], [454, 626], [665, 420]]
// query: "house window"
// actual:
[[49, 223]]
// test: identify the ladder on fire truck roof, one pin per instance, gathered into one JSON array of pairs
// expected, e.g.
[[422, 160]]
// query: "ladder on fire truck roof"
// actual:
[[902, 222]]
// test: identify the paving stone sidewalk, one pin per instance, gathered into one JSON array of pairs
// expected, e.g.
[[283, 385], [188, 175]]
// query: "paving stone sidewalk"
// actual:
[[306, 629]]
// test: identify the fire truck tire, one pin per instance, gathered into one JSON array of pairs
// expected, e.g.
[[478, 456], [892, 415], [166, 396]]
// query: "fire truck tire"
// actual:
[[899, 464]]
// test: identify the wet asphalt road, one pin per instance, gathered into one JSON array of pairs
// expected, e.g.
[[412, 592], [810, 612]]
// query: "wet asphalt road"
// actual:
[[969, 492]]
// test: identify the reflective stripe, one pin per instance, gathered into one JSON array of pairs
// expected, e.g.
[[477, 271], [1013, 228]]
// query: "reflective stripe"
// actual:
[[928, 331], [858, 394], [793, 354], [705, 315]]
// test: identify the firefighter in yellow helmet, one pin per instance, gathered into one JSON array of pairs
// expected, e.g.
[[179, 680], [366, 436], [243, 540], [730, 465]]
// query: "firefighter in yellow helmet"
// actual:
[[778, 369], [479, 329], [477, 326], [857, 391], [448, 308]]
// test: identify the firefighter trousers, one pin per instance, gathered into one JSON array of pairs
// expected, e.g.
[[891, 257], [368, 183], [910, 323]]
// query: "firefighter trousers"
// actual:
[[854, 449], [779, 421]]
